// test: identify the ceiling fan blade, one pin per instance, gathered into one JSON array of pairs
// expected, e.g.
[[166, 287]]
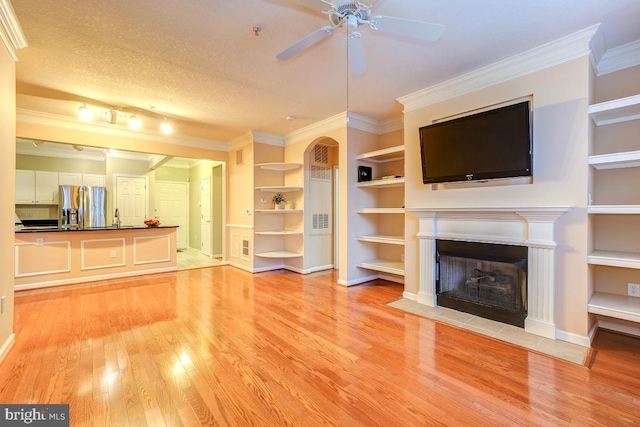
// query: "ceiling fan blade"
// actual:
[[355, 51], [313, 4], [407, 27], [305, 43]]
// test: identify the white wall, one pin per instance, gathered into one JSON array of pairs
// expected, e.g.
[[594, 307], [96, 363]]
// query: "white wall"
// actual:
[[560, 142]]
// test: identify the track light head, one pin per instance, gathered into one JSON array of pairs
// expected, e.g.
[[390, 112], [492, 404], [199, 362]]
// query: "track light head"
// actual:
[[166, 127], [111, 116], [135, 122], [85, 113]]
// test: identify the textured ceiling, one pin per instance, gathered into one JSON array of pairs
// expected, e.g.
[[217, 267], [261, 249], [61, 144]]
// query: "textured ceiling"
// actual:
[[200, 64]]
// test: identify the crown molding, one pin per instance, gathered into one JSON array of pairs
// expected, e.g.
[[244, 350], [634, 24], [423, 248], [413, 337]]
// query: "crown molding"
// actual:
[[240, 141], [10, 30], [565, 49], [314, 130], [619, 58], [391, 125], [57, 121], [268, 138]]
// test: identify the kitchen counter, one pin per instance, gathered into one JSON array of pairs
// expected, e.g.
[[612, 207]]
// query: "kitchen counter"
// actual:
[[50, 257], [42, 229]]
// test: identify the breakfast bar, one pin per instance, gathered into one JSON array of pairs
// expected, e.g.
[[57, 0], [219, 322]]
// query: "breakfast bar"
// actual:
[[51, 257]]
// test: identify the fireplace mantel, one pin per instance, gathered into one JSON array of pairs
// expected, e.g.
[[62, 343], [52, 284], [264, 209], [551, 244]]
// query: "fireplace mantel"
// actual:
[[532, 227]]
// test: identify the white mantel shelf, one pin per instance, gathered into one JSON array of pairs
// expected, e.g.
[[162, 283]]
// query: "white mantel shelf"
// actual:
[[495, 212]]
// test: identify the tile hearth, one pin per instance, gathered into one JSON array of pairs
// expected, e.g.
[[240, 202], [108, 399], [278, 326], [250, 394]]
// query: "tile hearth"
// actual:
[[563, 350]]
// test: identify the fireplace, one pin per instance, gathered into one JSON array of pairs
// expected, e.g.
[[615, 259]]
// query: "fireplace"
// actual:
[[484, 279], [530, 228]]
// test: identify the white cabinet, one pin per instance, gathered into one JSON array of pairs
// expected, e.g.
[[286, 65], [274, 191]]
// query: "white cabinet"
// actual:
[[386, 211], [87, 179], [92, 180], [36, 187], [69, 178], [615, 207], [25, 187]]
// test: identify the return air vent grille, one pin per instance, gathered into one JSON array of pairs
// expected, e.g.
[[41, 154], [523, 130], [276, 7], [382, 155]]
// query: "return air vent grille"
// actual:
[[321, 154], [320, 221], [320, 173]]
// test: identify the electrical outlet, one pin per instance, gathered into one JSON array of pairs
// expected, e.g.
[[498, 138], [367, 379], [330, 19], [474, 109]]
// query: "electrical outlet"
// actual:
[[113, 254], [633, 290]]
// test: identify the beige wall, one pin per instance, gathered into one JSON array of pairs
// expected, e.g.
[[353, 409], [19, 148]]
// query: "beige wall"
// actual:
[[240, 198], [560, 133], [8, 179], [57, 164]]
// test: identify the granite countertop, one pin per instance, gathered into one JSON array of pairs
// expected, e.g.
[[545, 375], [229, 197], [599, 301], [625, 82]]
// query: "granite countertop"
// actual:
[[112, 228]]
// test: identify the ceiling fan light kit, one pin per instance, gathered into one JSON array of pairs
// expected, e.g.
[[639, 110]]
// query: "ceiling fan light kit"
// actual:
[[352, 14]]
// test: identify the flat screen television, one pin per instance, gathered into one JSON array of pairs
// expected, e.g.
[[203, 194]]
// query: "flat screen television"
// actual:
[[488, 145]]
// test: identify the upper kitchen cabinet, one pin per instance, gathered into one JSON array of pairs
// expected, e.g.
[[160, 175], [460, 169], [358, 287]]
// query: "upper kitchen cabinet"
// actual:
[[92, 180], [36, 187]]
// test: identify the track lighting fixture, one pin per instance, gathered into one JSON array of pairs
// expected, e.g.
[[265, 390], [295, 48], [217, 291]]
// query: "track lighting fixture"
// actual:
[[85, 113], [78, 147], [129, 114], [37, 143], [135, 122]]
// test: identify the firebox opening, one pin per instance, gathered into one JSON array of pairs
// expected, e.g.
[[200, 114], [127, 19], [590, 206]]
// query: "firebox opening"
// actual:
[[484, 279]]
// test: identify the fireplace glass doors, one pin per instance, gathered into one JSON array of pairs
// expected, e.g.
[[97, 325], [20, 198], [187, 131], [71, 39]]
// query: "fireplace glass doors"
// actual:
[[487, 280]]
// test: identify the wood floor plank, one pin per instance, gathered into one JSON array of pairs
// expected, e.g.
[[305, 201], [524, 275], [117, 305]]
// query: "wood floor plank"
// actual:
[[220, 346]]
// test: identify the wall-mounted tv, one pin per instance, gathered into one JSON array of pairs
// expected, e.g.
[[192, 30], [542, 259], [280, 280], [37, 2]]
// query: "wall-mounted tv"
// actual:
[[487, 145]]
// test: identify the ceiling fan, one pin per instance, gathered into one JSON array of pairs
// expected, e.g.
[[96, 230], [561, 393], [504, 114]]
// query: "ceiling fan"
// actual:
[[352, 14]]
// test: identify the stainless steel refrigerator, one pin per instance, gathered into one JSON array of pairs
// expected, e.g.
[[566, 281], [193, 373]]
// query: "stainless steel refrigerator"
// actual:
[[82, 207]]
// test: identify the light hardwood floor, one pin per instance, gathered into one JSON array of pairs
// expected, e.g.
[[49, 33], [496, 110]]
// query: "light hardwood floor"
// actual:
[[219, 346]]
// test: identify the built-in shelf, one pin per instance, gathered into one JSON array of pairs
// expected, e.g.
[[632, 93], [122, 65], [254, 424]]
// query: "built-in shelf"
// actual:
[[378, 183], [630, 159], [280, 166], [279, 233], [278, 211], [383, 266], [279, 254], [276, 189], [614, 259], [385, 155], [616, 306], [381, 211], [391, 240], [614, 209], [616, 111]]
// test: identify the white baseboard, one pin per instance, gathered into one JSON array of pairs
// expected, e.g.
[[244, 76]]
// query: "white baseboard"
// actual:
[[396, 279], [357, 281], [4, 350], [619, 327], [409, 295], [572, 338], [92, 278], [316, 269]]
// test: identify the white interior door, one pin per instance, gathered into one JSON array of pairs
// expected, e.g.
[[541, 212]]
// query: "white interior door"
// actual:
[[205, 216], [131, 199], [172, 208]]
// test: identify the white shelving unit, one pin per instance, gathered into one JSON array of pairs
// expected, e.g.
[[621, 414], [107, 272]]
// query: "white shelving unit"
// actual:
[[279, 166], [379, 183], [385, 155], [276, 189], [617, 306], [380, 160], [279, 211], [604, 303], [264, 226], [391, 240], [383, 266]]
